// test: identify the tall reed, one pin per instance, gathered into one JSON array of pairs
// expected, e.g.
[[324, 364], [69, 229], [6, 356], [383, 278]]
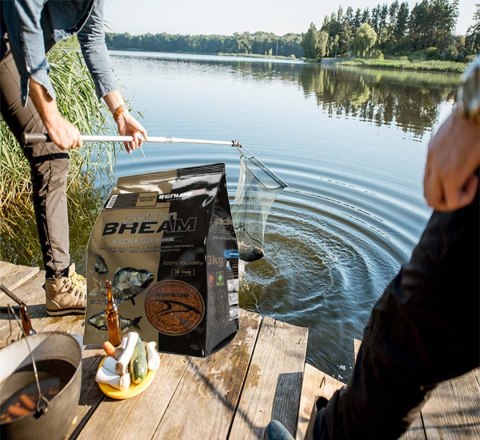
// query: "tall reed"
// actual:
[[78, 103]]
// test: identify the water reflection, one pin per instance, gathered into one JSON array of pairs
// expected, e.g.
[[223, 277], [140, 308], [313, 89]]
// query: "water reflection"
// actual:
[[409, 100], [406, 99]]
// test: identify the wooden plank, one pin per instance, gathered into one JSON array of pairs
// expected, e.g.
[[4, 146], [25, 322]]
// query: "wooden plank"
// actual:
[[13, 276], [110, 416], [416, 431], [172, 389], [453, 409], [4, 267], [157, 396], [273, 385], [90, 395], [315, 384], [32, 293], [210, 389]]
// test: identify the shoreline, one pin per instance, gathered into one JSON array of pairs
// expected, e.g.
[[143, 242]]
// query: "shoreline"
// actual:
[[402, 64]]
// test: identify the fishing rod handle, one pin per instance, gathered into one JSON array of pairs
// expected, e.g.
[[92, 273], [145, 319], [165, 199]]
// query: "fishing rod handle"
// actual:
[[34, 138]]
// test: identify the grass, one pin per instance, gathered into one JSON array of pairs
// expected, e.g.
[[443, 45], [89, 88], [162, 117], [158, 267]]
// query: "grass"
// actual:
[[255, 55], [404, 63], [77, 102]]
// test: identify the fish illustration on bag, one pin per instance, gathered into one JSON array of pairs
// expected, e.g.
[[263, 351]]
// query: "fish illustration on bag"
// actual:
[[129, 282], [99, 321], [100, 266]]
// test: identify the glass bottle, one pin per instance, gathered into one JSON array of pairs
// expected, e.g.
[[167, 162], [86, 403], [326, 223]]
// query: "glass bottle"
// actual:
[[26, 323], [112, 318]]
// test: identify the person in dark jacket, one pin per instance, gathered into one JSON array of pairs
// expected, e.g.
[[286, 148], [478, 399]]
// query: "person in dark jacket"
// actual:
[[28, 29], [425, 327]]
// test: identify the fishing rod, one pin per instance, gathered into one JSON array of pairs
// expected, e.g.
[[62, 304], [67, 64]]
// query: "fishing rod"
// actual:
[[31, 138]]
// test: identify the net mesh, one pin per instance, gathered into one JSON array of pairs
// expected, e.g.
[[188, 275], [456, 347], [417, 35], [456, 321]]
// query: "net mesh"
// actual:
[[257, 189]]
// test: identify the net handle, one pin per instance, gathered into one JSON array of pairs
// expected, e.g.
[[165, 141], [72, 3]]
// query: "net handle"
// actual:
[[31, 138]]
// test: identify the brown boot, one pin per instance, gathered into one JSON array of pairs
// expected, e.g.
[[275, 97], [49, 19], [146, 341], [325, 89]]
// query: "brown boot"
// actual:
[[66, 295]]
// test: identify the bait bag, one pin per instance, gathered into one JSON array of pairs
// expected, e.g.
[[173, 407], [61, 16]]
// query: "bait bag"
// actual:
[[166, 242]]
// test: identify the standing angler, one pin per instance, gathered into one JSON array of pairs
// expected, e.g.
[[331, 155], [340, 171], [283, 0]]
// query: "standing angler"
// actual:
[[28, 30]]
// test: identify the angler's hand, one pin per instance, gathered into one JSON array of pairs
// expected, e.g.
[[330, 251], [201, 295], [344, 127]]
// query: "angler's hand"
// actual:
[[450, 181], [63, 133], [129, 126]]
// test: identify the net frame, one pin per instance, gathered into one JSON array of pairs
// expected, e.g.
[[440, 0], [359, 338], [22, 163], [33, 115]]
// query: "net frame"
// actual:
[[257, 189]]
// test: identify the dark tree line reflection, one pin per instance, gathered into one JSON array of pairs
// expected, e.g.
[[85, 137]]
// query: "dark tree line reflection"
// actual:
[[409, 100]]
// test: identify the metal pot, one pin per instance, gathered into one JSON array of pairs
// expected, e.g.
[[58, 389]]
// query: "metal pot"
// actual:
[[50, 347]]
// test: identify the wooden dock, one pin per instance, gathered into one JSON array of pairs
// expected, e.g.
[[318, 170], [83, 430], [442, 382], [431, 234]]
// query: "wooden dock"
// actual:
[[233, 394]]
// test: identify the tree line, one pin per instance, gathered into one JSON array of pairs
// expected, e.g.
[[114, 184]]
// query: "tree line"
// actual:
[[392, 29], [261, 43], [386, 29]]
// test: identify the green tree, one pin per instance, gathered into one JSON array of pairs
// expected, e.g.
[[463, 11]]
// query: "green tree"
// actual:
[[322, 41], [347, 31], [376, 18], [392, 23], [392, 13], [309, 42], [401, 25], [348, 17], [383, 15], [357, 20], [364, 41], [334, 29], [244, 43], [444, 18], [472, 37], [334, 45], [432, 23], [366, 16]]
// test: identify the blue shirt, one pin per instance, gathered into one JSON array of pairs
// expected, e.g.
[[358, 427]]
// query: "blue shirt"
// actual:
[[34, 26]]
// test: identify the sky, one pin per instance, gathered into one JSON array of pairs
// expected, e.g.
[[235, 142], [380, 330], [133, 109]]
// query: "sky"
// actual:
[[225, 17]]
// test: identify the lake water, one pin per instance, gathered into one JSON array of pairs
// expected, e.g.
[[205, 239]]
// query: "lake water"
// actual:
[[350, 144]]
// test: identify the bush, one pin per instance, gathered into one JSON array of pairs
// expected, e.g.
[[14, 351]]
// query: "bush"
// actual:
[[402, 46], [451, 53]]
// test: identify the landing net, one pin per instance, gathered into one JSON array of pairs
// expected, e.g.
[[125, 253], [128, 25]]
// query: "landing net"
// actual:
[[257, 189]]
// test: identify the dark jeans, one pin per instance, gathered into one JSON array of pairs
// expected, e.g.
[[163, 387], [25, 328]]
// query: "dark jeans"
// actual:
[[423, 330], [49, 168]]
